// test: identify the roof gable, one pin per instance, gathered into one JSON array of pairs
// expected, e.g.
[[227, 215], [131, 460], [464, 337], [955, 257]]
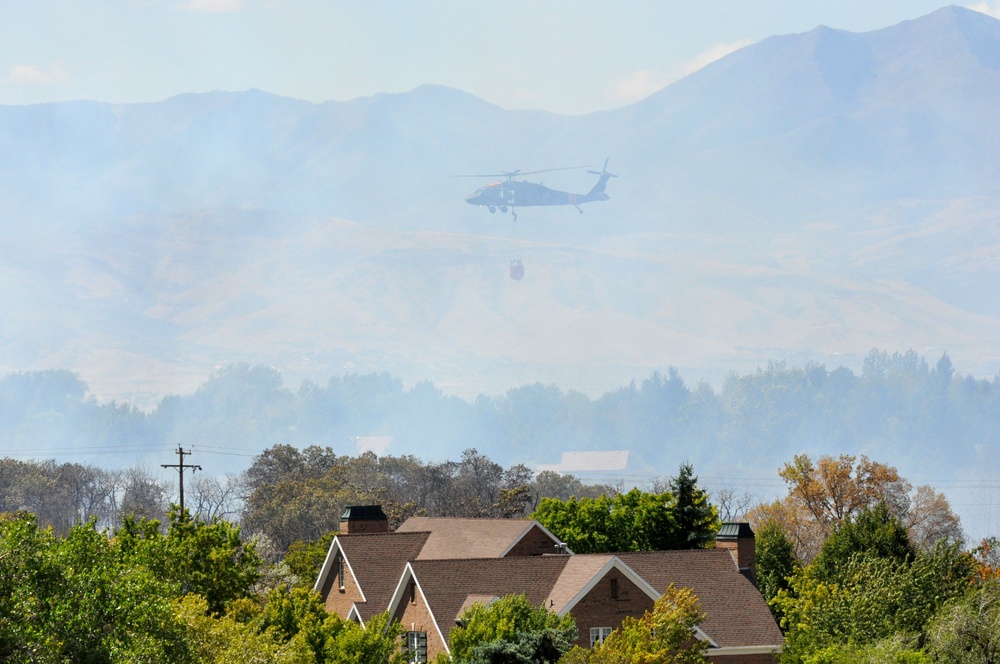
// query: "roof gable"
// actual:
[[399, 596], [453, 538], [448, 586], [736, 614], [583, 572], [374, 561]]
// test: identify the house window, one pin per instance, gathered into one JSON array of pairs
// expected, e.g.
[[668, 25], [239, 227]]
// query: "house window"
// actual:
[[614, 588], [340, 574], [416, 646], [598, 634], [413, 592]]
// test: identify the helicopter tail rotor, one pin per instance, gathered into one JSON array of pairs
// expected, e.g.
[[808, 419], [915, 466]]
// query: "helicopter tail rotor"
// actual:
[[604, 170], [596, 192]]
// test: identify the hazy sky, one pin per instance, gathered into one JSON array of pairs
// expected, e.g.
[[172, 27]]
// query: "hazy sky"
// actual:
[[567, 56]]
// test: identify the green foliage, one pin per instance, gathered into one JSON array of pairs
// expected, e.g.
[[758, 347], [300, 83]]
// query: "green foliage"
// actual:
[[230, 639], [664, 635], [75, 599], [298, 617], [148, 597], [378, 641], [874, 532], [874, 598], [775, 557], [893, 650], [634, 521], [584, 524], [967, 629], [304, 558], [207, 558], [510, 630]]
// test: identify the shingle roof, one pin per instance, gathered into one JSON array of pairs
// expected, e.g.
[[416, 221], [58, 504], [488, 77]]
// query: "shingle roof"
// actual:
[[448, 584], [465, 538], [457, 562], [376, 561], [577, 573], [471, 599], [736, 614]]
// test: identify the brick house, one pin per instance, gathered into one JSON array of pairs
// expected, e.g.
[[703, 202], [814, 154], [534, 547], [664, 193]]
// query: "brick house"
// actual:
[[430, 570], [365, 561]]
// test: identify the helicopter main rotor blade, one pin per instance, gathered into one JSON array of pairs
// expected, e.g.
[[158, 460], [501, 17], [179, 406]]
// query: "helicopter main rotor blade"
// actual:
[[511, 174], [550, 170]]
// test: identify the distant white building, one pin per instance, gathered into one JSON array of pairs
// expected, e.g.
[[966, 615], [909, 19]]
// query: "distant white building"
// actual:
[[577, 462], [376, 444]]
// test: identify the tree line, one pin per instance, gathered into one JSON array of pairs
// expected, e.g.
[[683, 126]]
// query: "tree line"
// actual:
[[898, 402], [287, 494]]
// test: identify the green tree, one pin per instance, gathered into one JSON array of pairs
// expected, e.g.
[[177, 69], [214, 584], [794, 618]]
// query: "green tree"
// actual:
[[664, 635], [298, 615], [967, 630], [207, 558], [874, 531], [872, 598], [775, 557], [304, 559], [584, 524], [76, 599], [379, 641], [298, 618], [632, 521], [231, 639], [896, 649], [680, 518], [696, 520], [510, 630]]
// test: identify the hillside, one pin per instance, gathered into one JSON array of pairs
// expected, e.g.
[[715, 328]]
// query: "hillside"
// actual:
[[809, 197]]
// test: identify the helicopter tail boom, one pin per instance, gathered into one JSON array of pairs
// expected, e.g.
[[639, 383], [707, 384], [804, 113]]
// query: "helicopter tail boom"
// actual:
[[596, 192]]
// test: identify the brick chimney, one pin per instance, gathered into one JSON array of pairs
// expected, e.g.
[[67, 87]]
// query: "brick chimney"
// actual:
[[739, 539], [358, 519]]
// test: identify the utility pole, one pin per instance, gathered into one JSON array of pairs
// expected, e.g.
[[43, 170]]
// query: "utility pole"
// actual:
[[180, 466]]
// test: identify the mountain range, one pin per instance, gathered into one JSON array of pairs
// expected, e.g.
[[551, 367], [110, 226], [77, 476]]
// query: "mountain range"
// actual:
[[806, 198]]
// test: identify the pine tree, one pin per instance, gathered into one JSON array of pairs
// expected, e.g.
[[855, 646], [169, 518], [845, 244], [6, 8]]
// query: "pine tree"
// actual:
[[696, 518]]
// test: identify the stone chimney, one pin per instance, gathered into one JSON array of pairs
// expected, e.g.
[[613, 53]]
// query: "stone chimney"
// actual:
[[358, 519], [739, 539]]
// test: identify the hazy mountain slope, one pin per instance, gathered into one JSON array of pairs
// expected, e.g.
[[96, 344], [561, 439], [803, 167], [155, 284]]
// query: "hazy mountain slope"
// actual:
[[316, 296], [371, 156], [809, 197], [802, 125]]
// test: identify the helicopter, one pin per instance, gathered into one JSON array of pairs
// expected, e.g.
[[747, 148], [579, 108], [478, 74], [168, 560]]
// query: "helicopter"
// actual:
[[511, 193]]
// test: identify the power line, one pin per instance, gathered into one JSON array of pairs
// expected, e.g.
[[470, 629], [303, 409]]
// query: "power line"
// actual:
[[180, 466]]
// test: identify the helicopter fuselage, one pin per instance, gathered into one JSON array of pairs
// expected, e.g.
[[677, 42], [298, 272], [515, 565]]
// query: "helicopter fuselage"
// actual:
[[522, 194], [511, 193]]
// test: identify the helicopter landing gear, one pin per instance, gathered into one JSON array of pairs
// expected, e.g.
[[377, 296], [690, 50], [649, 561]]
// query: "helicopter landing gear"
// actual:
[[513, 214], [493, 209], [503, 208]]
